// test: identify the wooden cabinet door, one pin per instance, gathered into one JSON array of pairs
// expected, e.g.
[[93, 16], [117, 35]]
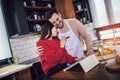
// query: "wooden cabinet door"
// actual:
[[24, 75], [65, 7]]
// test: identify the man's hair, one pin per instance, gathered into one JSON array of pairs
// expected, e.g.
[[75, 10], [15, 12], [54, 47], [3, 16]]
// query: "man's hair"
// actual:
[[46, 31], [49, 13]]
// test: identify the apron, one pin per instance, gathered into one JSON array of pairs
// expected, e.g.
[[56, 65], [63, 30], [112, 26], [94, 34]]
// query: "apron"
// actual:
[[73, 45]]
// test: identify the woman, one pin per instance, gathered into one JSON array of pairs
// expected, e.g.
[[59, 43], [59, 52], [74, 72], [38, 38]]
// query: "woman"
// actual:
[[55, 56]]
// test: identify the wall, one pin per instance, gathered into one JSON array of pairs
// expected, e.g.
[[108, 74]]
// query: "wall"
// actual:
[[99, 14], [116, 10], [105, 12], [24, 47], [110, 13], [90, 29]]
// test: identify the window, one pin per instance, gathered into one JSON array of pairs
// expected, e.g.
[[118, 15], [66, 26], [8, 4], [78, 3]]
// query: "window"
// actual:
[[110, 32]]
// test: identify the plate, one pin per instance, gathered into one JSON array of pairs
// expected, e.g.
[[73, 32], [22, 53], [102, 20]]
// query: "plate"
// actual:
[[107, 56]]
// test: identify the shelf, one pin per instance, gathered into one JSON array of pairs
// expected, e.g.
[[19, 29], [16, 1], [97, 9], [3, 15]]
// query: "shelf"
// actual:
[[79, 11], [38, 7], [35, 13], [37, 20], [82, 12]]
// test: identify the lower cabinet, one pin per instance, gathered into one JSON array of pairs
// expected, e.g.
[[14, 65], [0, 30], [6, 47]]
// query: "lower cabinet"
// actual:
[[34, 72], [21, 75], [24, 75]]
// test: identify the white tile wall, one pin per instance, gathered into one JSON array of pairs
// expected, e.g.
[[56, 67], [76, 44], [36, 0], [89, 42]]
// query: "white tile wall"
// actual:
[[90, 29], [24, 47]]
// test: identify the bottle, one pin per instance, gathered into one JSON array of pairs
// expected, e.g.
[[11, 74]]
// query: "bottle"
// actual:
[[33, 3], [34, 28]]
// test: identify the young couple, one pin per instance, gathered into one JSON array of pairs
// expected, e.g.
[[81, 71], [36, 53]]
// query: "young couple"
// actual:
[[52, 50]]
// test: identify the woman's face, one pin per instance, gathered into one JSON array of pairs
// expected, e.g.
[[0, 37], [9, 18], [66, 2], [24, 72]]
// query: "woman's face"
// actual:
[[54, 32]]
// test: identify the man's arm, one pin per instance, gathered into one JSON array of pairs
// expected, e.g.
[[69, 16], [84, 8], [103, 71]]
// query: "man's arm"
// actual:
[[39, 50], [83, 33]]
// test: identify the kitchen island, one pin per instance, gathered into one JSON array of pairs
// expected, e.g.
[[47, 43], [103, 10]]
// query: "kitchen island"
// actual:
[[98, 73]]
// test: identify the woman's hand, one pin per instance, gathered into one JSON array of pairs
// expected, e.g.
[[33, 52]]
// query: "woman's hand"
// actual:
[[63, 42], [77, 59], [39, 50]]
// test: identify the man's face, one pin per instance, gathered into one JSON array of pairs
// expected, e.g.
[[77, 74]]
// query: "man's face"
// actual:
[[56, 20]]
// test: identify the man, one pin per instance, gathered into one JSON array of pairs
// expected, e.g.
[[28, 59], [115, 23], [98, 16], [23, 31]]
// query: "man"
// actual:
[[73, 30]]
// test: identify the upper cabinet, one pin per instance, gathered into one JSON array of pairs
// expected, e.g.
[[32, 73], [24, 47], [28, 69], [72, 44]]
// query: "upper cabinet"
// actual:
[[35, 12], [14, 17], [65, 7], [82, 11], [25, 16], [28, 16]]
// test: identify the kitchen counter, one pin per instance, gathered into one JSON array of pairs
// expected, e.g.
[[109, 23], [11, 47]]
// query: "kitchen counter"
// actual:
[[36, 69], [23, 70], [99, 72], [11, 69]]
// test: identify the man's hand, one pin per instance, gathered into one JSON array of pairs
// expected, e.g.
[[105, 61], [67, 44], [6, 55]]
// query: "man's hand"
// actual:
[[39, 50], [89, 52]]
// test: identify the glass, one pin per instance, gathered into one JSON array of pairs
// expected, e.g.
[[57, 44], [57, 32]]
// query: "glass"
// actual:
[[9, 61], [100, 47], [15, 59], [117, 48]]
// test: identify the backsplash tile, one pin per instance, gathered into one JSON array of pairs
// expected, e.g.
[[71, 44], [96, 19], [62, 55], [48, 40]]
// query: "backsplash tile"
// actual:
[[24, 47]]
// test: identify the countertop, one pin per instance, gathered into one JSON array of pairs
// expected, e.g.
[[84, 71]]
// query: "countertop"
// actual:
[[11, 69]]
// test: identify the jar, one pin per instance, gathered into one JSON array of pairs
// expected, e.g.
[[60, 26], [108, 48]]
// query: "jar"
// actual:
[[24, 3], [35, 16], [117, 59]]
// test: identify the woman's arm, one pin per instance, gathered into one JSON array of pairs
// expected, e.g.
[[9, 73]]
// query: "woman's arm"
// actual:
[[51, 55], [69, 58]]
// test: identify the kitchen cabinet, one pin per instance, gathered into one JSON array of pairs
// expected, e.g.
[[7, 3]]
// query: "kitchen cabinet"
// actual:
[[21, 75], [5, 51], [82, 11], [28, 16], [24, 75], [14, 17], [65, 7], [25, 16], [74, 9], [35, 12]]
